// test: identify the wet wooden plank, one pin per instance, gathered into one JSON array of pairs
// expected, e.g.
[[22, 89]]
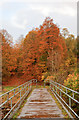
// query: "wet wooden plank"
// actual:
[[40, 104]]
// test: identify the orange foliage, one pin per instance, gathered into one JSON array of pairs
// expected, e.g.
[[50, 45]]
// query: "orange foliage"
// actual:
[[35, 53]]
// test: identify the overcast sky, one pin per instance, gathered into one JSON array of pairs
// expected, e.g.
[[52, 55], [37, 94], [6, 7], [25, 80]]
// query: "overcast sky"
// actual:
[[21, 16]]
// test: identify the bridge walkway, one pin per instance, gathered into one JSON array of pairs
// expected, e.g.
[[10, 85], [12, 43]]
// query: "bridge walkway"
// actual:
[[40, 104]]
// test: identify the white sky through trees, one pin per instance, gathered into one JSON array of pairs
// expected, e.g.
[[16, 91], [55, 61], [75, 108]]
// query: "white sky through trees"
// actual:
[[21, 16]]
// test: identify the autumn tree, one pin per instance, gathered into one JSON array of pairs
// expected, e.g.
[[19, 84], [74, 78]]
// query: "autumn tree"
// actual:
[[43, 49], [8, 59], [69, 64], [51, 44]]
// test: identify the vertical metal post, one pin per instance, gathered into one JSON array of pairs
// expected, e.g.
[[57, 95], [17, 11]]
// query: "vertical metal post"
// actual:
[[53, 88], [69, 101], [56, 89], [7, 96], [22, 87], [25, 88], [73, 94], [19, 89], [32, 82], [20, 94], [36, 83], [60, 94], [66, 90], [11, 103], [30, 85], [44, 84], [14, 92], [50, 85]]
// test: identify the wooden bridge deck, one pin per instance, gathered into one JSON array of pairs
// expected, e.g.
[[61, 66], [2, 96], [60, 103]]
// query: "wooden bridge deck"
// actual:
[[40, 104]]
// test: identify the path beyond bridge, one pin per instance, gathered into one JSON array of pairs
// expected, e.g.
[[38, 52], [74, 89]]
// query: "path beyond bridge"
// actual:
[[40, 104]]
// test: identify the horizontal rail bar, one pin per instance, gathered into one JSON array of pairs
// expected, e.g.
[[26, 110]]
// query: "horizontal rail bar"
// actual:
[[14, 106], [68, 106], [65, 87], [56, 86], [12, 89], [67, 94], [62, 105], [24, 87]]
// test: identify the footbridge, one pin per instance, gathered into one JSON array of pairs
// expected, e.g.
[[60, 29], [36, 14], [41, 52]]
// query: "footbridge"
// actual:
[[40, 103]]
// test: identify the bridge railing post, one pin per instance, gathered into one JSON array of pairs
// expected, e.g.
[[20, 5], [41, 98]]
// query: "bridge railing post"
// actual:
[[50, 85], [14, 92], [22, 91], [69, 101], [60, 94], [63, 93], [66, 90], [73, 94], [7, 96], [44, 84], [20, 96], [11, 103]]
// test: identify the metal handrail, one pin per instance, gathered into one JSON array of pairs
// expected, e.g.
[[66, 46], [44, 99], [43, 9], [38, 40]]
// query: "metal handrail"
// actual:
[[23, 90], [58, 90], [67, 88]]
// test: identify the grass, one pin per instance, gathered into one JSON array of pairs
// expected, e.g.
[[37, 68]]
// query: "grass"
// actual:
[[7, 88], [4, 89]]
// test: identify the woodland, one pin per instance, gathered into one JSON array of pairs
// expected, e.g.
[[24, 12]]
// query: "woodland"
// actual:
[[44, 53]]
